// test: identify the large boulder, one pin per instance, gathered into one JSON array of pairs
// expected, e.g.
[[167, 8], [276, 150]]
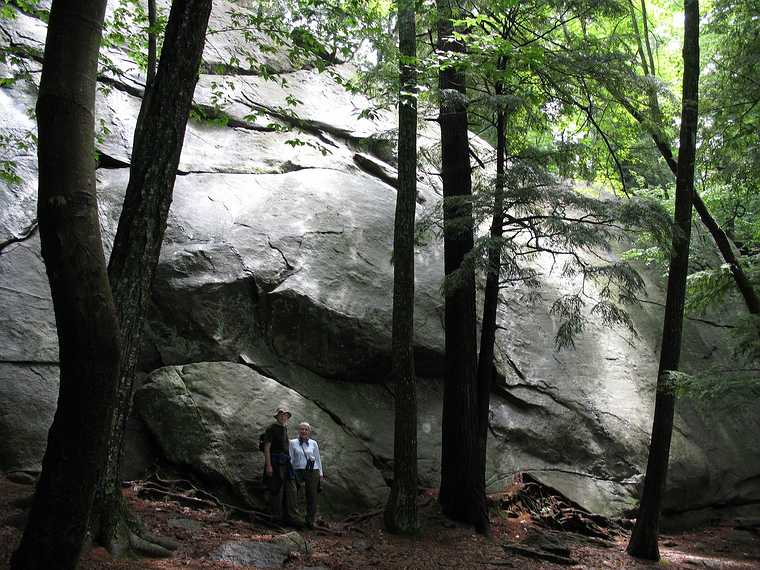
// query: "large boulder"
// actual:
[[278, 254], [208, 417]]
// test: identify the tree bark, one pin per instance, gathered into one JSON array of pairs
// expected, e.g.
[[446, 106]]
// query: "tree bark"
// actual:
[[643, 543], [88, 335], [159, 135], [462, 494], [491, 293], [150, 73], [645, 24], [401, 509]]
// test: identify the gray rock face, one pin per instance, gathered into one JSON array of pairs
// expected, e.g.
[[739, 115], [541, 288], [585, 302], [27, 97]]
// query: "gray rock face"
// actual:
[[279, 252], [208, 417], [28, 396], [261, 554]]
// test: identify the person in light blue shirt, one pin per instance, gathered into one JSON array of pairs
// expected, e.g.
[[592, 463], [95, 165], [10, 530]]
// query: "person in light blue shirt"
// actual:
[[307, 465]]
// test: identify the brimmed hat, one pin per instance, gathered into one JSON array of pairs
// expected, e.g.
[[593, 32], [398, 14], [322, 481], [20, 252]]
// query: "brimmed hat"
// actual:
[[282, 411]]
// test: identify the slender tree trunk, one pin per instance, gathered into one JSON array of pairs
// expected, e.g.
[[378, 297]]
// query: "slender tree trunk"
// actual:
[[86, 320], [639, 41], [645, 24], [491, 293], [159, 136], [462, 494], [643, 543], [401, 510], [653, 126], [150, 74]]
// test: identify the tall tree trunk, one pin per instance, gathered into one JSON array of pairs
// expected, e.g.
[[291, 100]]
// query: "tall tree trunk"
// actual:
[[159, 135], [88, 337], [643, 543], [150, 73], [462, 494], [401, 510], [639, 40], [653, 124], [491, 293], [647, 41]]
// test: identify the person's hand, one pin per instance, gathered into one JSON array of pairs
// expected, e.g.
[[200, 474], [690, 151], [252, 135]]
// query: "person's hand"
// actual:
[[268, 469]]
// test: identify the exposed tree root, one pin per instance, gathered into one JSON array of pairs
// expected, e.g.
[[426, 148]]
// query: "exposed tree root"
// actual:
[[184, 491], [539, 554], [548, 507], [148, 548], [128, 537]]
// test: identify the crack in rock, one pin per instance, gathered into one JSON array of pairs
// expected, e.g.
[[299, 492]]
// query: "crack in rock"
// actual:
[[515, 368], [25, 234], [516, 401], [285, 168], [226, 172], [288, 266], [542, 389], [31, 362], [35, 54], [381, 171], [222, 68], [591, 476], [315, 128], [376, 169], [213, 113], [26, 293], [225, 469], [592, 422], [118, 85], [324, 232], [246, 271], [109, 162]]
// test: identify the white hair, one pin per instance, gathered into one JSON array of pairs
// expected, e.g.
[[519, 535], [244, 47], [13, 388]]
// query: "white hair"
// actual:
[[304, 424]]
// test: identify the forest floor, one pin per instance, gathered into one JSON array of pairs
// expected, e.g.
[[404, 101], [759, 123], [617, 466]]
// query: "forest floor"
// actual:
[[361, 542]]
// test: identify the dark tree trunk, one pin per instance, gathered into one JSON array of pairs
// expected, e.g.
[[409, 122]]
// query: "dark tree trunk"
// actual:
[[401, 510], [462, 494], [150, 73], [491, 293], [88, 337], [159, 136], [643, 543]]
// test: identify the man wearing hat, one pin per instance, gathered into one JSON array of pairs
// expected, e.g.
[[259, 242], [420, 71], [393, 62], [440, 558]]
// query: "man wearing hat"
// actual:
[[277, 468]]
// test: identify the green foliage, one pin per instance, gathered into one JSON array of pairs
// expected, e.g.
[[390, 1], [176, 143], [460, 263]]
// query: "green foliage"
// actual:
[[549, 227], [14, 143], [127, 29], [209, 115], [722, 389], [708, 288], [731, 127], [10, 8]]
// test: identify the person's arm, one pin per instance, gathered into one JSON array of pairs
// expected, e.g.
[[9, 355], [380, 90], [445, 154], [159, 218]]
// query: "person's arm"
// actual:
[[268, 457], [292, 453]]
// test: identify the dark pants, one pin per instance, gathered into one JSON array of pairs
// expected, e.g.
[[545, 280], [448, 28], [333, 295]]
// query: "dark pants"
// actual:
[[307, 483], [282, 498]]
